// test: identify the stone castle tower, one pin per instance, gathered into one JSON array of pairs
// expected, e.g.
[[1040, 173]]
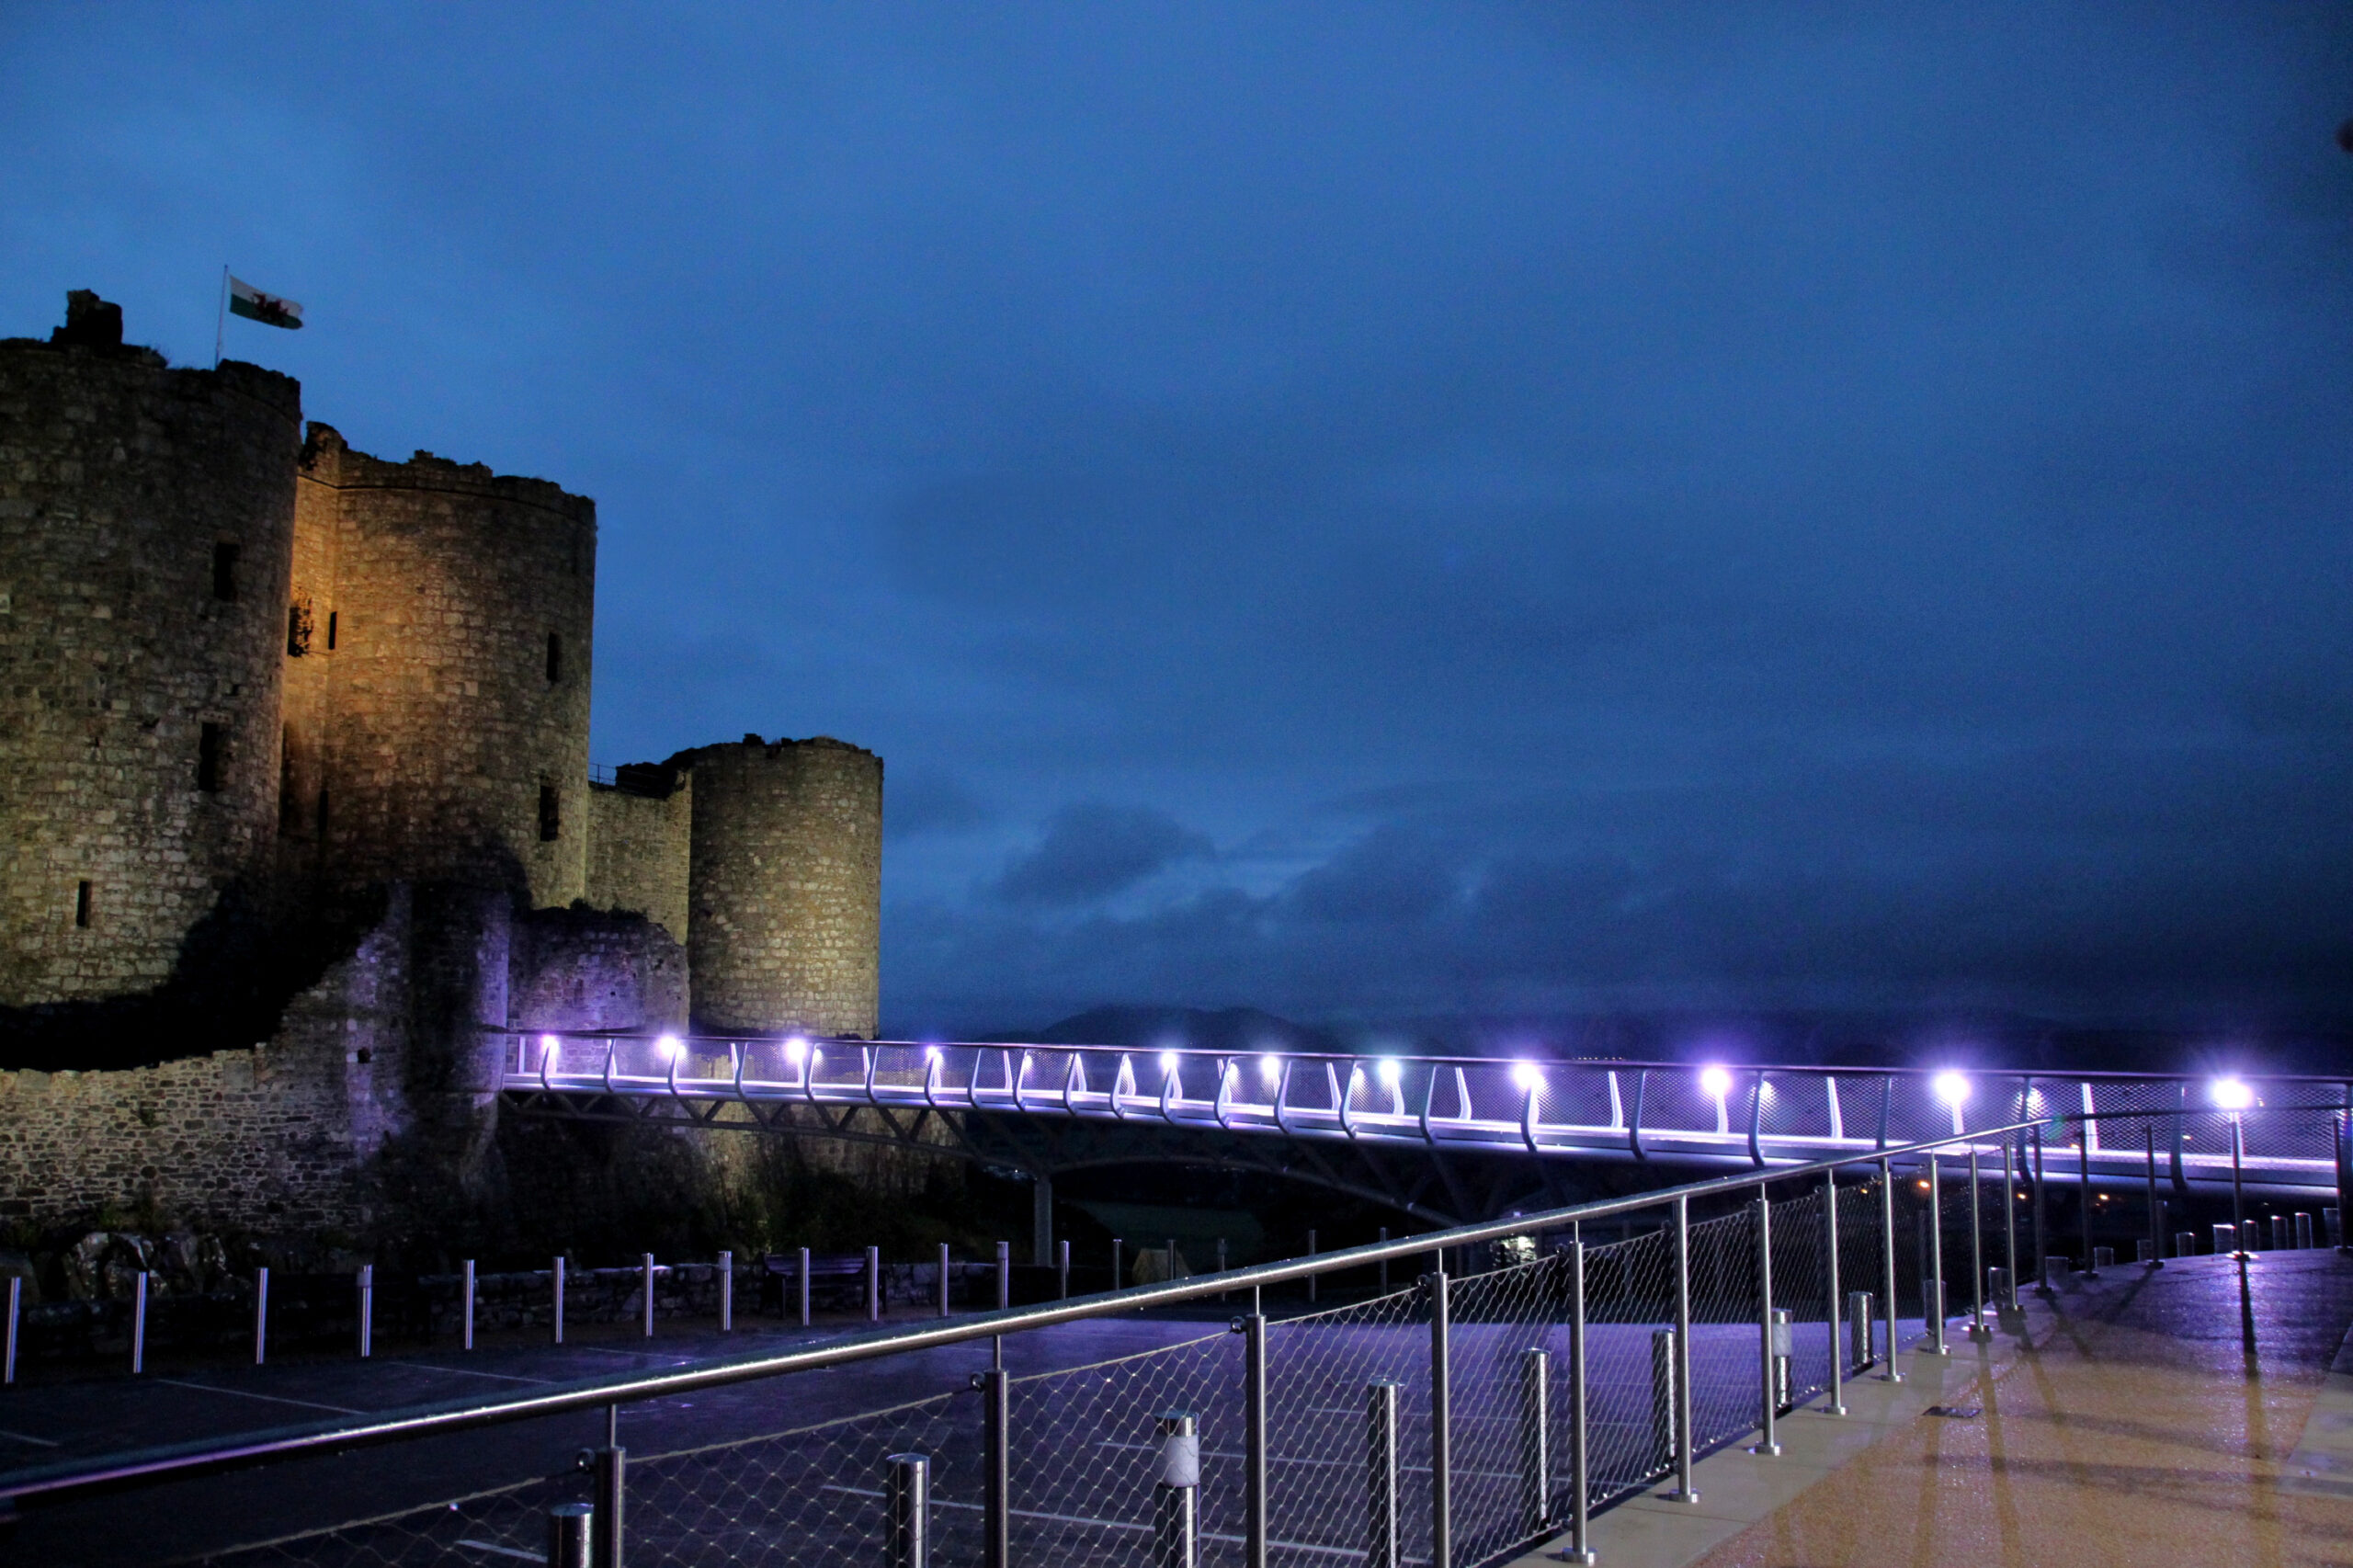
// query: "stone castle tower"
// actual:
[[251, 680]]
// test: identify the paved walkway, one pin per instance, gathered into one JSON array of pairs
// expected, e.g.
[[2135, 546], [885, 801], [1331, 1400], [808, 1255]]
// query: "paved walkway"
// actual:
[[2150, 1416]]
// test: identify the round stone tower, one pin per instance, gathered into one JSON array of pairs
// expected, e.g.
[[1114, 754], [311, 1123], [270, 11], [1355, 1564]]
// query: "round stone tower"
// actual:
[[438, 661], [146, 524], [785, 880]]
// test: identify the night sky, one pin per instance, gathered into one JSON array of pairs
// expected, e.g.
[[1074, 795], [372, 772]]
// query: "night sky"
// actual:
[[1368, 511]]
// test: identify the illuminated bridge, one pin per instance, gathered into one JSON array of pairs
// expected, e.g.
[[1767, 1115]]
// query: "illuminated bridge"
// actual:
[[1447, 1139]]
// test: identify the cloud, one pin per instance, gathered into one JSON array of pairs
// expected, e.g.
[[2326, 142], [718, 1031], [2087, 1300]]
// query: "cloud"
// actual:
[[1092, 851]]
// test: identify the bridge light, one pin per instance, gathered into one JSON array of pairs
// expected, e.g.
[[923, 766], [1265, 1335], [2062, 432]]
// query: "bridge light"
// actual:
[[1526, 1075], [1715, 1082], [1270, 1066], [1168, 1060], [670, 1045], [796, 1050], [2232, 1093], [1389, 1071], [549, 1045], [1952, 1088]]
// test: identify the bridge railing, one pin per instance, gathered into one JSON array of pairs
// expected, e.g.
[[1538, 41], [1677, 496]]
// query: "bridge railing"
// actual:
[[1482, 1389], [1754, 1115]]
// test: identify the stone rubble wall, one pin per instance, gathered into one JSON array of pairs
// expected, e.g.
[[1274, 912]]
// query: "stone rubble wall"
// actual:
[[639, 850]]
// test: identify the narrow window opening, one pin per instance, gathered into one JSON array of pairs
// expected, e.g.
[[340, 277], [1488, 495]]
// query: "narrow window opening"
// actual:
[[224, 572], [82, 905], [331, 632], [550, 815], [555, 657], [208, 758], [298, 629]]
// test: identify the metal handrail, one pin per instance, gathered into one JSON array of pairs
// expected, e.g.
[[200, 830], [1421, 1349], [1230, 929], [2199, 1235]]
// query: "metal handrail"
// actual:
[[54, 1481]]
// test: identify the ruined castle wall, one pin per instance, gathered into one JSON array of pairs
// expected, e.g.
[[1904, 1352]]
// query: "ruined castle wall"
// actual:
[[444, 691], [582, 971], [145, 523], [784, 926], [638, 849]]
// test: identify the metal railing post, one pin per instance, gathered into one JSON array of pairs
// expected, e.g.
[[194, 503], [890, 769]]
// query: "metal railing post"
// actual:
[[1382, 1519], [2084, 1191], [261, 1316], [9, 1350], [1932, 1298], [1767, 1396], [1174, 1519], [1859, 1330], [2239, 1248], [1535, 1440], [2042, 1238], [1118, 1278], [1977, 1329], [1061, 1269], [1442, 1428], [571, 1526], [367, 1309], [804, 1287], [874, 1284], [1887, 1261], [1662, 1402], [646, 1265], [466, 1327], [727, 1292], [1580, 1547], [2156, 1210], [2009, 1230], [1310, 1252], [1004, 1274], [1255, 1500], [943, 1278], [907, 1504], [1683, 1490], [2344, 1142], [1385, 1262], [1836, 1404], [139, 1324], [556, 1277], [997, 1454], [606, 1533]]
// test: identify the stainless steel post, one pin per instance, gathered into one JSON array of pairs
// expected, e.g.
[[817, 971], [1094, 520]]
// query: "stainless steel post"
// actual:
[[606, 1533], [943, 1278], [2084, 1191], [727, 1292], [804, 1287], [139, 1322], [2344, 1141], [1535, 1440], [1663, 1404], [907, 1492], [570, 1529], [1977, 1329], [556, 1276], [2156, 1210], [1255, 1500], [1859, 1330], [1836, 1404], [1932, 1303], [2238, 1190], [467, 1327], [261, 1316], [2009, 1302], [2041, 1239], [1685, 1491], [8, 1350], [1174, 1517], [1004, 1274], [1310, 1252], [1442, 1428], [1767, 1396], [874, 1284], [997, 1453], [1887, 1261], [1061, 1269], [1382, 1520], [1118, 1278], [2303, 1232], [645, 1267], [1580, 1547], [367, 1309]]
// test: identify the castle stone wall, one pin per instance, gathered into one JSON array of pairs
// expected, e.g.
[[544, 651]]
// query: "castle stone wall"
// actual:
[[639, 845], [444, 748], [578, 971], [785, 925], [127, 637]]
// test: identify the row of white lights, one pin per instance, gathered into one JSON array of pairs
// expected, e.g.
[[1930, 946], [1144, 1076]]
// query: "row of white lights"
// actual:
[[1715, 1080]]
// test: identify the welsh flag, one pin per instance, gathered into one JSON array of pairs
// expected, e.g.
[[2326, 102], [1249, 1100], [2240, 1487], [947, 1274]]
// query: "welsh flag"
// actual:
[[247, 301]]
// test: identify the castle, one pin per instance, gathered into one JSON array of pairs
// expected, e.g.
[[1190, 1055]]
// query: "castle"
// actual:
[[296, 826]]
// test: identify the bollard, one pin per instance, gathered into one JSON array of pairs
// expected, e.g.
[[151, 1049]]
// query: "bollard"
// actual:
[[727, 1292], [367, 1309], [556, 1275], [2226, 1239], [1004, 1275], [646, 1267], [1997, 1285], [569, 1525], [2103, 1257], [2304, 1232], [606, 1535], [804, 1287], [1534, 1441], [2054, 1271], [1859, 1330], [1174, 1518], [2334, 1221], [874, 1284], [1061, 1270], [943, 1280], [261, 1316], [8, 1348], [139, 1324], [1380, 1515], [2144, 1251], [466, 1325], [1663, 1447], [907, 1506], [2185, 1243], [2278, 1233]]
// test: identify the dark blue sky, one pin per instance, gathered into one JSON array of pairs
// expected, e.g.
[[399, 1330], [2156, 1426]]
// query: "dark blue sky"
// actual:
[[1368, 510]]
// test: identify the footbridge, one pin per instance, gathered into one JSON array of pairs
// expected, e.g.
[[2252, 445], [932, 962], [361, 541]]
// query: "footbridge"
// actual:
[[1447, 1140]]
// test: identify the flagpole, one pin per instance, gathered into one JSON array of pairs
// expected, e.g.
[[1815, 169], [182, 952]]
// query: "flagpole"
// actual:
[[220, 322]]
